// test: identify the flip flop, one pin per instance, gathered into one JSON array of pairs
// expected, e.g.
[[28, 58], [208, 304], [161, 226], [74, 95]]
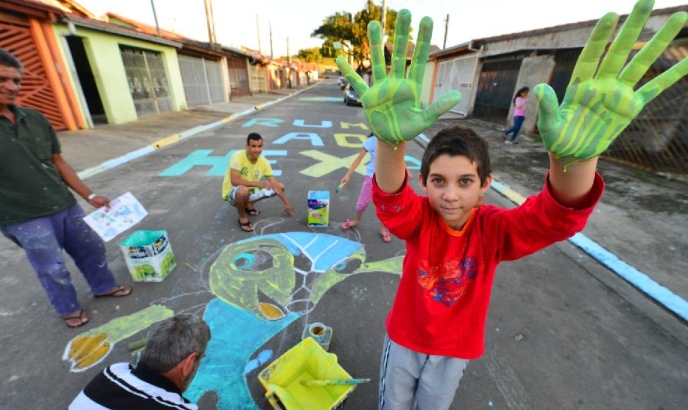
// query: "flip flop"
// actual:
[[79, 315], [252, 211], [245, 226], [117, 292], [386, 238]]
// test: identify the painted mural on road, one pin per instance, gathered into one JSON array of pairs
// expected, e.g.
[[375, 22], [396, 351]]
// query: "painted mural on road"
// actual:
[[259, 286], [326, 163]]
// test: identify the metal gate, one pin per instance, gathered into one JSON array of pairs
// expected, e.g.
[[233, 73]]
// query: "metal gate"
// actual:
[[238, 76], [147, 79], [202, 81], [496, 88], [36, 92], [456, 74], [564, 62], [657, 140]]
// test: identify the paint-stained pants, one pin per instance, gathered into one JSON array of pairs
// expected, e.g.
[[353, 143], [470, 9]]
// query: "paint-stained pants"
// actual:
[[43, 240], [412, 380], [366, 195]]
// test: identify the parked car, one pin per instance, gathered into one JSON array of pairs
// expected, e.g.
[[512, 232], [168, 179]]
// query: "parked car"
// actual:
[[342, 82], [351, 96]]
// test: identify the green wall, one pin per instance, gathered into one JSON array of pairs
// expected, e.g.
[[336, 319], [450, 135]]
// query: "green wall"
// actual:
[[103, 53]]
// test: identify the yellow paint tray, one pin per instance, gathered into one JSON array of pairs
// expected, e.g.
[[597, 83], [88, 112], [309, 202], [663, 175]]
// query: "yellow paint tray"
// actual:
[[305, 361]]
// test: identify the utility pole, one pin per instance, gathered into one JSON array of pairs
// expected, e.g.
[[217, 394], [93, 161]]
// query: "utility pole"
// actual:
[[210, 20], [446, 29], [270, 27], [155, 16], [260, 50], [383, 19]]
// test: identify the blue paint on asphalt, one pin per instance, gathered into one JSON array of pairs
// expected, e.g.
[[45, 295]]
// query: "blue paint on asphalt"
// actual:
[[217, 163], [641, 281], [236, 335], [127, 157], [638, 279]]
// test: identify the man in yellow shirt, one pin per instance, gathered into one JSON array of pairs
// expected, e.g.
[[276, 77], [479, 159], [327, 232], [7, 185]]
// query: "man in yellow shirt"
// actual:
[[243, 185]]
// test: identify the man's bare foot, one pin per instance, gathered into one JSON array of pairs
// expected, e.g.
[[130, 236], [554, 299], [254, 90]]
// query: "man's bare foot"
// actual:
[[75, 319]]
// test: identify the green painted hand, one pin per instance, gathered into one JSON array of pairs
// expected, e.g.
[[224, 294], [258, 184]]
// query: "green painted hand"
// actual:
[[392, 104], [600, 102]]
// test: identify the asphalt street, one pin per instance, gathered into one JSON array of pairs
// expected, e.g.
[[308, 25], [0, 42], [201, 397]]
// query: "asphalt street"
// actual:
[[563, 332]]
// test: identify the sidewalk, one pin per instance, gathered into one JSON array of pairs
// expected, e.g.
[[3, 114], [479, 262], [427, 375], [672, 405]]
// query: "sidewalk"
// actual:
[[94, 150], [637, 231]]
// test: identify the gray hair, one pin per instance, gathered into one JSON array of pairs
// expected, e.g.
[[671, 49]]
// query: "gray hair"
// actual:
[[8, 60], [173, 340]]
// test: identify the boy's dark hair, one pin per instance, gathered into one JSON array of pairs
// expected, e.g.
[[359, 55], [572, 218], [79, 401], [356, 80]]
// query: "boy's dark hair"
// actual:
[[454, 141], [254, 136], [8, 60]]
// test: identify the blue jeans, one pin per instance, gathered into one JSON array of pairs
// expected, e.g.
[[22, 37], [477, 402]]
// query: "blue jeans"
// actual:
[[518, 122], [43, 240]]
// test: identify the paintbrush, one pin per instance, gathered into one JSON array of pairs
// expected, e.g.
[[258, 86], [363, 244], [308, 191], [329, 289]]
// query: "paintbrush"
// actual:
[[334, 382], [339, 188], [304, 223]]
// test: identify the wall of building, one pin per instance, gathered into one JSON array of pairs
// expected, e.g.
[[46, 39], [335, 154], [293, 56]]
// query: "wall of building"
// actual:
[[534, 70], [564, 37], [428, 84], [106, 63]]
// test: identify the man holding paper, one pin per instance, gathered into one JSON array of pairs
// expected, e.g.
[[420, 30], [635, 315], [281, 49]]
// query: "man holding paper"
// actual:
[[37, 210]]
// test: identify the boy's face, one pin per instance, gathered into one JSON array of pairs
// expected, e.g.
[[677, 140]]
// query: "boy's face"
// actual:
[[254, 149], [453, 188]]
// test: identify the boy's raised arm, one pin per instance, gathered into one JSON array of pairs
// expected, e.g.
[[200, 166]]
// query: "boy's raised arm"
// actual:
[[600, 100], [392, 105]]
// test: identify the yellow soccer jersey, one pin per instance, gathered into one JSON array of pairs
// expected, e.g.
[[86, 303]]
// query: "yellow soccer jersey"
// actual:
[[250, 171]]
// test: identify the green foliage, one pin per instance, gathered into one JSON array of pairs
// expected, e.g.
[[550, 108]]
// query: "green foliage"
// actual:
[[345, 33], [310, 55]]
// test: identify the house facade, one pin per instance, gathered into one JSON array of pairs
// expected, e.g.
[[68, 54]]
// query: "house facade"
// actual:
[[488, 72]]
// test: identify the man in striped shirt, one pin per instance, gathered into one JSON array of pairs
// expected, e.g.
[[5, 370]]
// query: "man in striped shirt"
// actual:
[[167, 367]]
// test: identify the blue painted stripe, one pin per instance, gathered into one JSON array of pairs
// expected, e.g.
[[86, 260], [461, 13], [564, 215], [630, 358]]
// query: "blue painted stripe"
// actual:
[[640, 280], [127, 157], [422, 137]]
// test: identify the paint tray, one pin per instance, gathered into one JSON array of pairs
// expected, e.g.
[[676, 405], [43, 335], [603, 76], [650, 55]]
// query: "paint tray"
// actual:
[[305, 361]]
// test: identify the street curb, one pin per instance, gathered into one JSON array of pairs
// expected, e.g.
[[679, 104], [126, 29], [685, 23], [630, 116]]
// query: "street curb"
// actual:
[[175, 138]]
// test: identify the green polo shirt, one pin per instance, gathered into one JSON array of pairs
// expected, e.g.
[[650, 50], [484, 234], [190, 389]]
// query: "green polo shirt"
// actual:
[[30, 186]]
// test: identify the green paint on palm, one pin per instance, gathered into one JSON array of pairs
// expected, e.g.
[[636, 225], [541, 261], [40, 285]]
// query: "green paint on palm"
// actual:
[[600, 102], [392, 104]]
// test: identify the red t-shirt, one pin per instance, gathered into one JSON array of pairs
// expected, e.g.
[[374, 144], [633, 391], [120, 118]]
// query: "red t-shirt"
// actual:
[[441, 304]]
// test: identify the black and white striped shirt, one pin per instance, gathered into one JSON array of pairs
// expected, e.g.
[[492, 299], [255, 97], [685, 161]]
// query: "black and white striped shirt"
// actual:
[[121, 386]]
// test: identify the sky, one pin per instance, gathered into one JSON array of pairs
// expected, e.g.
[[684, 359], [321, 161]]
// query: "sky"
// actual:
[[282, 27]]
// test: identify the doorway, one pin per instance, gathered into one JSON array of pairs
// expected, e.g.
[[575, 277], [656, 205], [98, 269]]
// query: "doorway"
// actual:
[[86, 79]]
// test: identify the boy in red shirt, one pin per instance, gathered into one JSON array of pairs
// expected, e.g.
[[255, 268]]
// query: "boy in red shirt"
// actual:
[[437, 321]]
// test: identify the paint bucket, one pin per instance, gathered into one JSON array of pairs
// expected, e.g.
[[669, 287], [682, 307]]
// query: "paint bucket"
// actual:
[[318, 209], [148, 255], [320, 333], [305, 361], [317, 331]]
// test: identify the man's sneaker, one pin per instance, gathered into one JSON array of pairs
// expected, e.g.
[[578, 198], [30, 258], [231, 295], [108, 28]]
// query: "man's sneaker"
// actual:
[[508, 142]]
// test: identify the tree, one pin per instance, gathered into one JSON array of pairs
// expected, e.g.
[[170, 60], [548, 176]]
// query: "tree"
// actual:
[[345, 34], [310, 55], [335, 31]]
